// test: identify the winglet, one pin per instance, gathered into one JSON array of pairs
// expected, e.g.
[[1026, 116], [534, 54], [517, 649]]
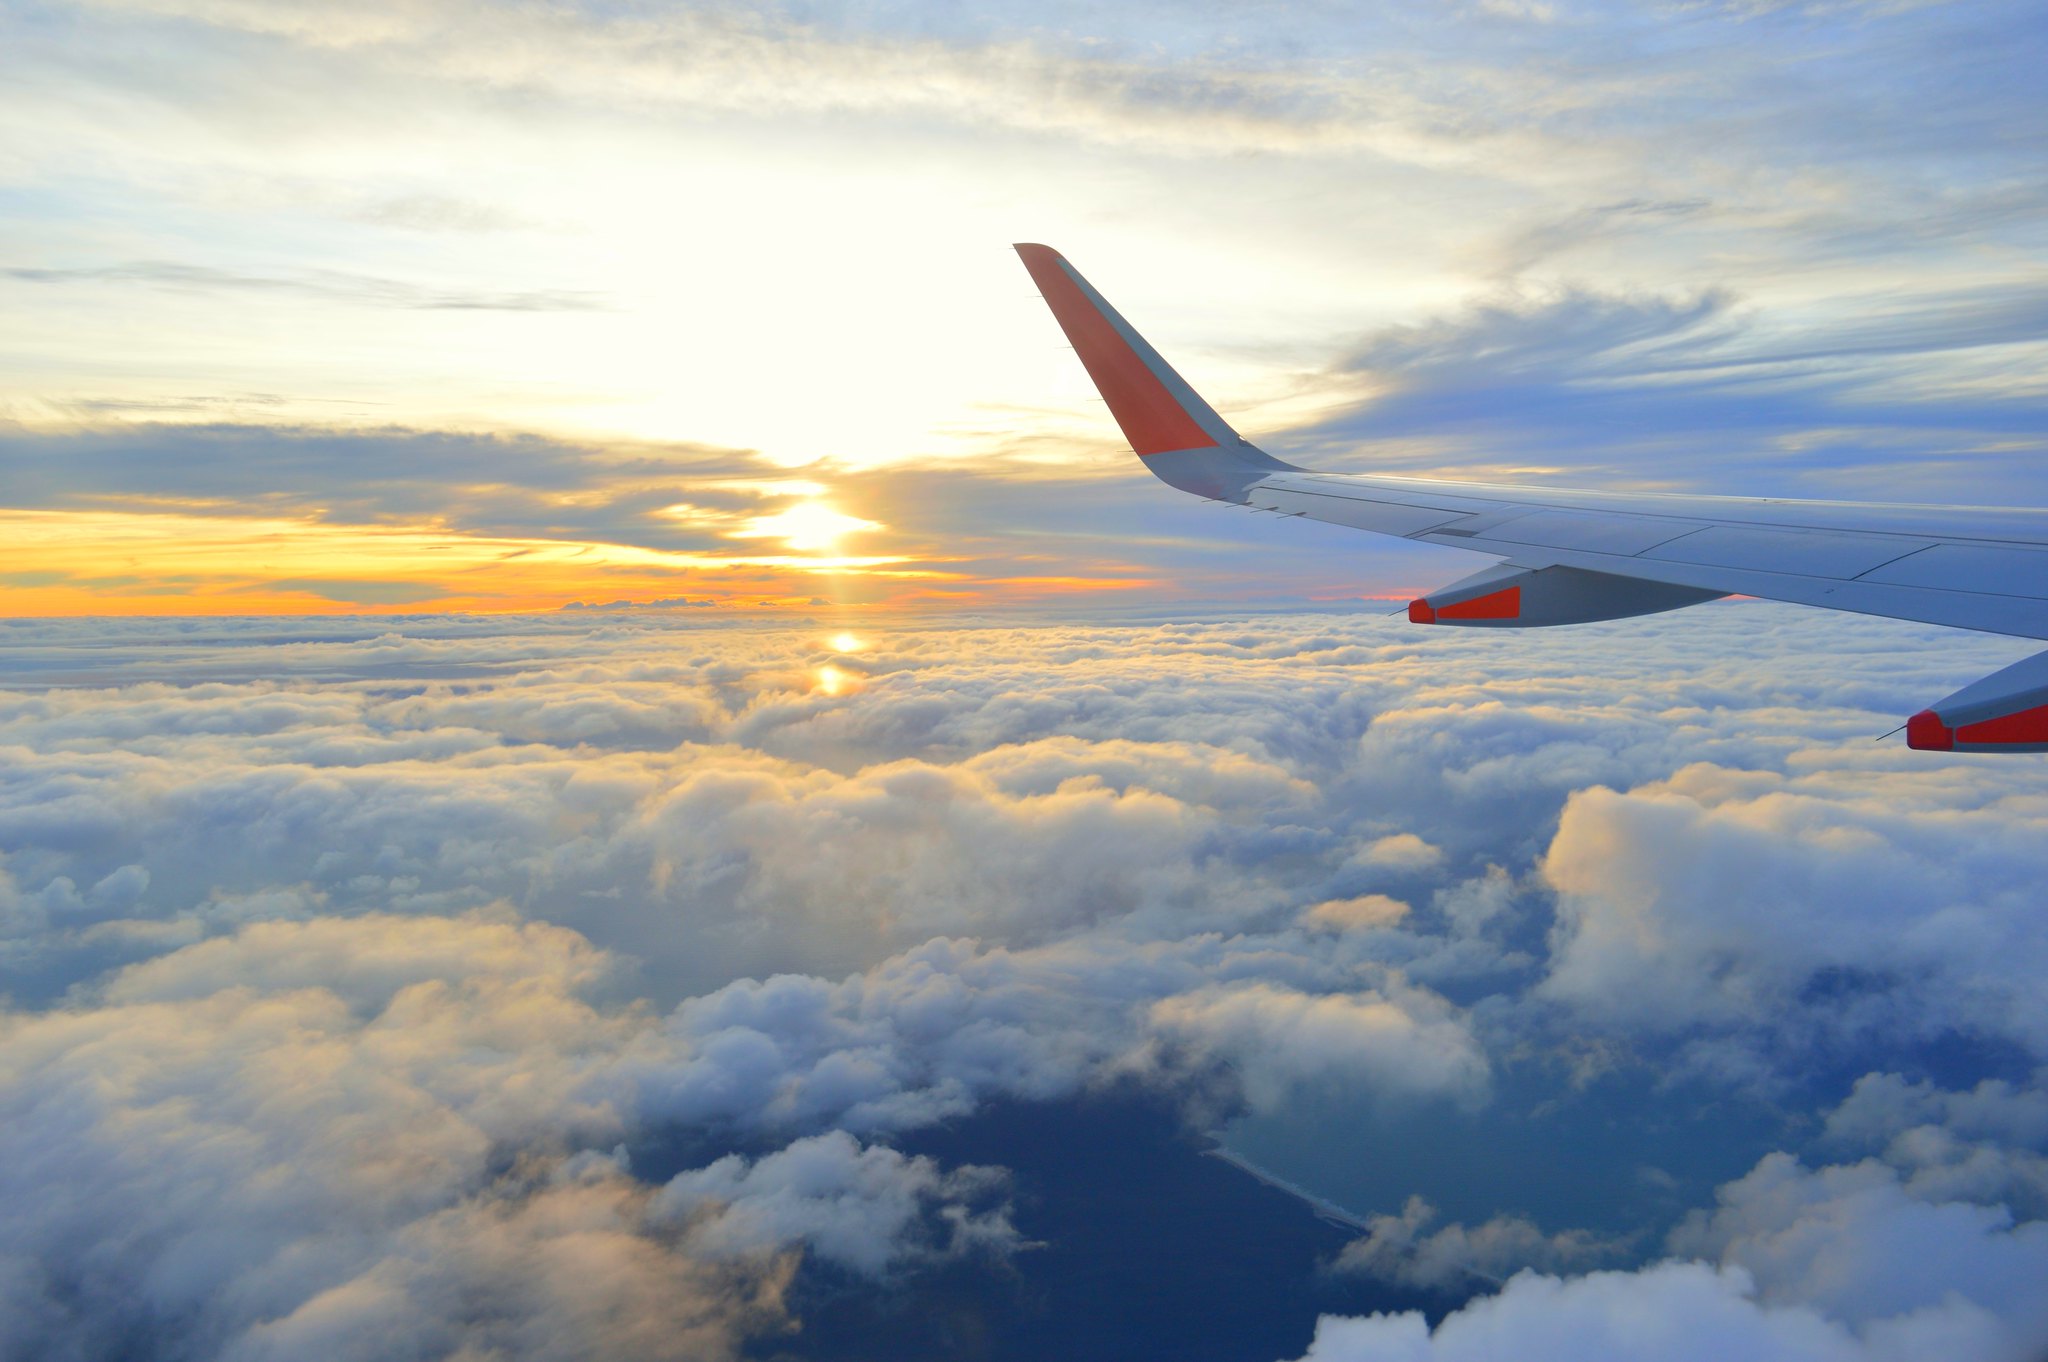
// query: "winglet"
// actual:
[[1158, 412], [1179, 436]]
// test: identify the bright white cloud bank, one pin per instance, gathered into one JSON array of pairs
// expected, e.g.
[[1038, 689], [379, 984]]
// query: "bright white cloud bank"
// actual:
[[349, 965]]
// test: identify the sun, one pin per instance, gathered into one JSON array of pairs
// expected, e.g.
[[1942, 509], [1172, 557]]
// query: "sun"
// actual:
[[806, 526], [845, 643]]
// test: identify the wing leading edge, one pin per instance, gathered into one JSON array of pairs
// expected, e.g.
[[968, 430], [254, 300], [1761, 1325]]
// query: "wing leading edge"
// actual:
[[1570, 556]]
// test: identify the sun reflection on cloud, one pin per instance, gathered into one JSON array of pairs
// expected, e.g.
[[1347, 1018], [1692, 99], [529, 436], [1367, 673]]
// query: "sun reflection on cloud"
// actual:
[[845, 643]]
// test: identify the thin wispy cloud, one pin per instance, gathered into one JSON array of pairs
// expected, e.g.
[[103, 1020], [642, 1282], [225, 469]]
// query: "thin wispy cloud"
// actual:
[[1702, 392], [329, 285]]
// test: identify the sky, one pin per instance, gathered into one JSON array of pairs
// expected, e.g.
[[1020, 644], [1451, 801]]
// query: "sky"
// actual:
[[326, 308], [603, 752]]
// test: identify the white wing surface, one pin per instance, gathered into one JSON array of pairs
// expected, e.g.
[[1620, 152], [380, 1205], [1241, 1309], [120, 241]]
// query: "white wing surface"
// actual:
[[1568, 556]]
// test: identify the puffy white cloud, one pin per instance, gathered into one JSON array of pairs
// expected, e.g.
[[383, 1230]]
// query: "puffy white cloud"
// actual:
[[932, 1032], [1677, 1311], [1852, 1241], [558, 1272], [1400, 1041], [1402, 850], [366, 962], [916, 1039], [867, 1210], [338, 1138], [1882, 1105], [881, 849], [1987, 1144], [1842, 1262], [1365, 911], [1734, 898]]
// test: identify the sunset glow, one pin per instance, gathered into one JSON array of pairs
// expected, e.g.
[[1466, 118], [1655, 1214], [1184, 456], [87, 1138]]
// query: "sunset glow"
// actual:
[[723, 308], [181, 563], [477, 355]]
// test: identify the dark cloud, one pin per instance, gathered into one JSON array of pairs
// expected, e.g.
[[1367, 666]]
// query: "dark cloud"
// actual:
[[514, 486], [1404, 1248]]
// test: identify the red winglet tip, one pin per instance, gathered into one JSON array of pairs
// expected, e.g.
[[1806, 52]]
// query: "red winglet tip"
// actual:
[[1150, 414], [1420, 612], [1926, 732]]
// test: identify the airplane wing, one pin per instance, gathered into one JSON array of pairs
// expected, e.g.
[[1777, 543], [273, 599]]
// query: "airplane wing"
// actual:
[[1567, 557]]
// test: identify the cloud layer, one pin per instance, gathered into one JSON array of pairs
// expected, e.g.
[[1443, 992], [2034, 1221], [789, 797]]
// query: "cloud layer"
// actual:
[[357, 970]]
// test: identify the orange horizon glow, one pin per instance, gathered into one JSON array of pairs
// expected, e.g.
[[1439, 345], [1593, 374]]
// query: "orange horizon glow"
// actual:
[[200, 558], [178, 563]]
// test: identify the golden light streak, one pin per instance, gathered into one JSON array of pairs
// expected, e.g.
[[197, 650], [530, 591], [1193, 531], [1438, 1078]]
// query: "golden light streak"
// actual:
[[130, 563]]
